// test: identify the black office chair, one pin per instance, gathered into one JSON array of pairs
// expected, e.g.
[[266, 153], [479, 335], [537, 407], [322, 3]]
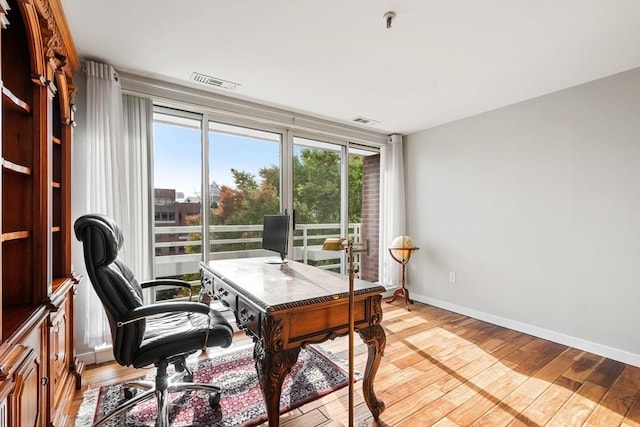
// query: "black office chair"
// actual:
[[160, 334]]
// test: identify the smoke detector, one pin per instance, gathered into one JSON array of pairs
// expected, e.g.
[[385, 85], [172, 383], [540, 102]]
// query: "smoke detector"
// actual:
[[388, 18], [213, 81]]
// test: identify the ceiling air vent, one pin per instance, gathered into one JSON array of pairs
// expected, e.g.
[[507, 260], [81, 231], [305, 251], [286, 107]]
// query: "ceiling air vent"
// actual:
[[365, 121], [213, 81]]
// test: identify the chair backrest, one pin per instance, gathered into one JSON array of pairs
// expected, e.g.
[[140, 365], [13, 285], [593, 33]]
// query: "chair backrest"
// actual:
[[112, 280]]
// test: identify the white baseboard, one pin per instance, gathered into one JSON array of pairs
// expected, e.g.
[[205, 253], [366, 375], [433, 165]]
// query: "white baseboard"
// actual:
[[105, 354], [578, 343], [100, 355]]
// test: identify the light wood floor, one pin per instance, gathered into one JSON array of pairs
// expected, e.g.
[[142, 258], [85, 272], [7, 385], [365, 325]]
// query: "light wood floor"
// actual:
[[441, 368]]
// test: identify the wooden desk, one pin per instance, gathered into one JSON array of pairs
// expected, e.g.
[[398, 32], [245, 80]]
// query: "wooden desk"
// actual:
[[284, 307]]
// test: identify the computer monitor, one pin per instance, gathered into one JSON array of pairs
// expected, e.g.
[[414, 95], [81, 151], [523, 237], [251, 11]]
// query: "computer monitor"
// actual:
[[275, 236]]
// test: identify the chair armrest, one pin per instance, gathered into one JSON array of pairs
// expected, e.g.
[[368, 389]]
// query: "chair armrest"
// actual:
[[145, 311], [168, 282], [165, 282]]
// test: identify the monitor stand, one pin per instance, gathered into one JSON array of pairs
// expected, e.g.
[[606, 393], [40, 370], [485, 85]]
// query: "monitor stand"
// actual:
[[275, 261], [281, 260]]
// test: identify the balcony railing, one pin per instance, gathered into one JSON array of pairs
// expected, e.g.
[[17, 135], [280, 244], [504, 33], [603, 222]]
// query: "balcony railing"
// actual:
[[178, 248]]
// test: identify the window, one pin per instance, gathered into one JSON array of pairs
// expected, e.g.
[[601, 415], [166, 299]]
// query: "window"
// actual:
[[176, 180], [244, 185], [223, 178], [364, 206], [317, 200]]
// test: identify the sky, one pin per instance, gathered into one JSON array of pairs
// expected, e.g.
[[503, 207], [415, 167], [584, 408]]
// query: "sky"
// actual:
[[177, 164]]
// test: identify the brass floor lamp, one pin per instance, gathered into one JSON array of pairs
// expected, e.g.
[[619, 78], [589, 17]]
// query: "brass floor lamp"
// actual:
[[340, 244]]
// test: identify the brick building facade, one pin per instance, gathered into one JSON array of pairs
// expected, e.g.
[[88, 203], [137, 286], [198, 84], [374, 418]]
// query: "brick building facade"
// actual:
[[370, 227]]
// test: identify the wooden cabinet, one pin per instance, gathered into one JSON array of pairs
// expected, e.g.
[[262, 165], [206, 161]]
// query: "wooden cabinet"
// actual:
[[26, 402], [28, 399], [64, 370], [38, 369]]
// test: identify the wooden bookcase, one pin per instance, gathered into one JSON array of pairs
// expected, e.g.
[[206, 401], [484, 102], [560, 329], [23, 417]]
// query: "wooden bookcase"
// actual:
[[38, 369]]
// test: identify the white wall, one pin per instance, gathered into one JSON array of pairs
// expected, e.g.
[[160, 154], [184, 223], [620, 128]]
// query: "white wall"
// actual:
[[536, 208]]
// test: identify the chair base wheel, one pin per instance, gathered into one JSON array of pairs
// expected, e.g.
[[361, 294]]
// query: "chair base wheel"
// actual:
[[129, 393], [214, 399]]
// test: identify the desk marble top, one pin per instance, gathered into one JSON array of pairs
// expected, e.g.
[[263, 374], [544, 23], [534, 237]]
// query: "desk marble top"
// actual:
[[276, 287]]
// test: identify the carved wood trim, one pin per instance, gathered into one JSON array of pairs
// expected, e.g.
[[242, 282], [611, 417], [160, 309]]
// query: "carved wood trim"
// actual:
[[4, 8], [36, 53], [376, 317], [58, 45], [329, 336], [272, 334], [51, 46], [297, 304], [65, 97]]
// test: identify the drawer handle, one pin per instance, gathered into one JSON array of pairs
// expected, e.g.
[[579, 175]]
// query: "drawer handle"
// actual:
[[245, 316]]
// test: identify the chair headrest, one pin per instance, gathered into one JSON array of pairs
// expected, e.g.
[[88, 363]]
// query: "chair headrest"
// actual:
[[105, 237]]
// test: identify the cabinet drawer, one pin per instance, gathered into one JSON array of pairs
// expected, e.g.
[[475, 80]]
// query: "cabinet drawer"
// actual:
[[248, 318], [227, 296]]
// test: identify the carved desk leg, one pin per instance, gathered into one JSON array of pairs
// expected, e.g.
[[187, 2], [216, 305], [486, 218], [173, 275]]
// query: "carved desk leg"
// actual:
[[376, 340], [273, 365]]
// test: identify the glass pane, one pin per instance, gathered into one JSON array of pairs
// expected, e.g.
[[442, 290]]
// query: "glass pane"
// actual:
[[364, 207], [177, 178], [244, 177], [316, 201]]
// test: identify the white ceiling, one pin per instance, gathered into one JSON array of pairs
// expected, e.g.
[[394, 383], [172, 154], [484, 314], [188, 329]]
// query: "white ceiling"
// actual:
[[440, 61]]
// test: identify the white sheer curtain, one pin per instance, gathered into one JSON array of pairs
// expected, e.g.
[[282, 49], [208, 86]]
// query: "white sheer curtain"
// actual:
[[137, 221], [115, 164], [392, 207]]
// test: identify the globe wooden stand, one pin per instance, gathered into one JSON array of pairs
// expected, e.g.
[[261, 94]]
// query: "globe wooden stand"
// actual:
[[402, 291]]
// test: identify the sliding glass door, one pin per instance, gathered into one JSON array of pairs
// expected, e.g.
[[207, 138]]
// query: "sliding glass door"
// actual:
[[177, 174], [244, 185], [317, 200], [364, 206]]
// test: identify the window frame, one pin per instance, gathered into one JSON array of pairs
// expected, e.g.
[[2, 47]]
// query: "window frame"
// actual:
[[343, 143]]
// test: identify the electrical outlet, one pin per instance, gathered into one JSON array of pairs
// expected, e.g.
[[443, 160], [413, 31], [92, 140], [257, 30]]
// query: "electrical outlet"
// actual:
[[452, 277]]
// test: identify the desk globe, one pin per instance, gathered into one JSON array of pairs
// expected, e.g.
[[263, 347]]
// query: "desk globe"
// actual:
[[401, 249]]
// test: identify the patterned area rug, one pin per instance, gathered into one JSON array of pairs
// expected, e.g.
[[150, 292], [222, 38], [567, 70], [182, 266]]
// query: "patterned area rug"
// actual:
[[316, 374]]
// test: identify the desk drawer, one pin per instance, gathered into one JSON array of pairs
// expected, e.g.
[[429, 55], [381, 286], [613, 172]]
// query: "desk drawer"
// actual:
[[248, 317], [227, 296]]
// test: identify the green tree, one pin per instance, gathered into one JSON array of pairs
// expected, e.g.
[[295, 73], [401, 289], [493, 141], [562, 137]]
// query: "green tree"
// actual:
[[256, 199], [316, 189], [355, 188], [192, 237], [230, 204], [316, 186]]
